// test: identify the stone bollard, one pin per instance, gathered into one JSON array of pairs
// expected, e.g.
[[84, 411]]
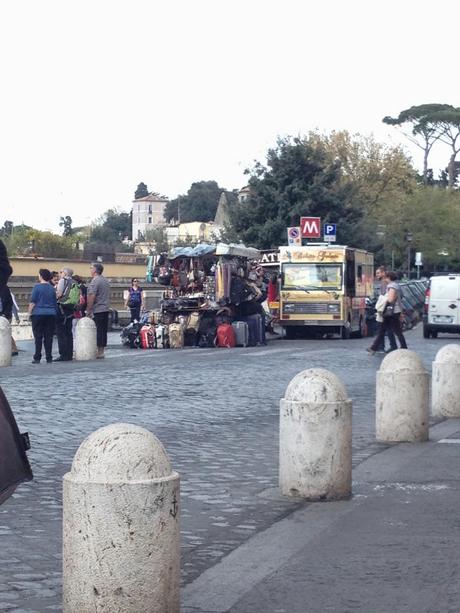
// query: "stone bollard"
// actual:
[[402, 397], [315, 437], [445, 393], [5, 342], [121, 525], [85, 339]]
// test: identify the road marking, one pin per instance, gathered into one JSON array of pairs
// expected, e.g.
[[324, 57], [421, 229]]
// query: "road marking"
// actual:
[[449, 440]]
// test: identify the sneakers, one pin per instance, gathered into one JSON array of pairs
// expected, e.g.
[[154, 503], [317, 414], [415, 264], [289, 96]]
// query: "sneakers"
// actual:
[[370, 351]]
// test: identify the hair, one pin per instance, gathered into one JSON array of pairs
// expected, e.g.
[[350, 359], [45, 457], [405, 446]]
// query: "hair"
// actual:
[[54, 273], [391, 275], [68, 271], [381, 267], [98, 267], [132, 280], [77, 278], [5, 269], [45, 274]]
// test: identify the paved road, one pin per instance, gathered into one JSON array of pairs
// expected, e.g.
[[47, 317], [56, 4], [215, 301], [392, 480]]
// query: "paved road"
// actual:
[[216, 412]]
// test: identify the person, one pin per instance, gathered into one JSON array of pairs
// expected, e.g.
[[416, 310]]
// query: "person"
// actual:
[[391, 322], [380, 276], [8, 308], [54, 278], [98, 305], [64, 316], [42, 311], [135, 300], [80, 309]]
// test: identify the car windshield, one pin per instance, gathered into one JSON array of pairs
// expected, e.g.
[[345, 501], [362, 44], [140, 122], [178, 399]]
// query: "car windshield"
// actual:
[[312, 276]]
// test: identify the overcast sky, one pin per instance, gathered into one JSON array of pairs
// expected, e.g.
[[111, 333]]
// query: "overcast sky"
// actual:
[[98, 95]]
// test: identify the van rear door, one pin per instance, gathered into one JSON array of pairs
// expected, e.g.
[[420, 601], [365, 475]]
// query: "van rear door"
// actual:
[[444, 306]]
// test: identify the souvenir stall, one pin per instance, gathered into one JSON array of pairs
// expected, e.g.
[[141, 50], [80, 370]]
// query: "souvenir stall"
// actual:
[[212, 297]]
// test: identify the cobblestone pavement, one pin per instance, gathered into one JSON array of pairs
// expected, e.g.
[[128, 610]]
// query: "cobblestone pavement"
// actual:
[[216, 412]]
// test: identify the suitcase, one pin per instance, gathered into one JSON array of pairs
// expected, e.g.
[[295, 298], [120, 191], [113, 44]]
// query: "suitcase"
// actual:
[[255, 324], [161, 337], [147, 336], [241, 333], [176, 336]]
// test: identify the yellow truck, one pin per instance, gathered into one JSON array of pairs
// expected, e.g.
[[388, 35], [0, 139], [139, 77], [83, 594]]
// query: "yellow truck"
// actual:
[[324, 289]]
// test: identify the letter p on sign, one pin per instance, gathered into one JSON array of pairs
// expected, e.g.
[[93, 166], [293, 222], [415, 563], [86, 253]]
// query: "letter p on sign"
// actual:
[[310, 227]]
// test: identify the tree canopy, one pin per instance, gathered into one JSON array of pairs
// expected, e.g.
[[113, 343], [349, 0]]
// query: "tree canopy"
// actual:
[[141, 191], [112, 227], [198, 204]]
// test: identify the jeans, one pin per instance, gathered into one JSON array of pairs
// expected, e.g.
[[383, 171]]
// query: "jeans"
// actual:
[[102, 321], [64, 333], [392, 323]]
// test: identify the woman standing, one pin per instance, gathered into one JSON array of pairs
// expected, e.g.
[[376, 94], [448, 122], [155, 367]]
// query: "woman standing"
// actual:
[[42, 311], [391, 322], [135, 300]]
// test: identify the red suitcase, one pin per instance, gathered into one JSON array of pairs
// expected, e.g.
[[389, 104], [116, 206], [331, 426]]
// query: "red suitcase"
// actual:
[[147, 336]]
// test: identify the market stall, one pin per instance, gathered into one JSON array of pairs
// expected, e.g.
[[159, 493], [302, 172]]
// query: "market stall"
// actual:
[[213, 297]]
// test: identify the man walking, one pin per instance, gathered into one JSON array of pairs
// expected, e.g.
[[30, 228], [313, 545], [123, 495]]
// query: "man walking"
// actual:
[[98, 305], [64, 316]]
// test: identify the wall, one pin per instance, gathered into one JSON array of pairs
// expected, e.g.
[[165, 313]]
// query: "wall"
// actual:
[[29, 267]]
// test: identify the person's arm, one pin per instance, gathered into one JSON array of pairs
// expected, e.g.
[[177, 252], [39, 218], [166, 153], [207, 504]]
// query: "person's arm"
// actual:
[[60, 288], [127, 300], [90, 304], [142, 300]]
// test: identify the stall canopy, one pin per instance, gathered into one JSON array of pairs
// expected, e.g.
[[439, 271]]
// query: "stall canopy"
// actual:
[[192, 252], [220, 249]]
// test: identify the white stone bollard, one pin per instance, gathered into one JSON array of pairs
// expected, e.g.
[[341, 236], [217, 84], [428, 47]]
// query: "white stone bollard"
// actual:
[[5, 342], [85, 339], [445, 393], [121, 525], [402, 398], [315, 437]]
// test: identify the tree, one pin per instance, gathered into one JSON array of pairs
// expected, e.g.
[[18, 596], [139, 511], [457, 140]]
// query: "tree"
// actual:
[[112, 227], [300, 178], [66, 223], [426, 127], [199, 204], [448, 120], [7, 228], [158, 237], [141, 191]]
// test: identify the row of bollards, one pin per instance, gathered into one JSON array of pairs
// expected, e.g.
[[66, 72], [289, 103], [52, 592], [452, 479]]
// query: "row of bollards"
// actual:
[[122, 500], [84, 345]]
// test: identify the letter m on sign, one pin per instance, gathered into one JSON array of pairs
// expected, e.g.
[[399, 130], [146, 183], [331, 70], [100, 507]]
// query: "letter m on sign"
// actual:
[[310, 227]]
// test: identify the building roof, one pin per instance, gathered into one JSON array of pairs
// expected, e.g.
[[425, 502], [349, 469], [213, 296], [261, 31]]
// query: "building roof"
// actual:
[[152, 197]]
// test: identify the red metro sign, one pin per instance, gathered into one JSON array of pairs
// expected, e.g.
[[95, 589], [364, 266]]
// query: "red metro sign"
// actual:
[[310, 227]]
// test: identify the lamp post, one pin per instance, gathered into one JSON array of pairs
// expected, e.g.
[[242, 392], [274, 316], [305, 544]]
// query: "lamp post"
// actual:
[[408, 240]]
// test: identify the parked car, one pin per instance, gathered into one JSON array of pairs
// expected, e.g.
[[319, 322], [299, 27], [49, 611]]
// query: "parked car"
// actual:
[[442, 305]]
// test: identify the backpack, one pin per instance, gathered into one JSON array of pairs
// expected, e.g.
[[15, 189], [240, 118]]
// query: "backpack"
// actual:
[[72, 297]]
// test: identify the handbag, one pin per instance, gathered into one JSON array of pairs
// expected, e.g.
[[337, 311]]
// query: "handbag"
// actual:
[[389, 310]]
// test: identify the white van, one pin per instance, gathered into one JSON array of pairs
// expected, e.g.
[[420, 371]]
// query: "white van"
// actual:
[[442, 306]]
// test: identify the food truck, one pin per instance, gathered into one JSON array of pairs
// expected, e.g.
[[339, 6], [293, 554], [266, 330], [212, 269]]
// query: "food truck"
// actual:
[[324, 289]]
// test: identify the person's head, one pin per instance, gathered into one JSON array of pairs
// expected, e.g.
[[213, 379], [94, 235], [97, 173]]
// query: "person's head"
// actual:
[[134, 281], [77, 279], [54, 277], [96, 268], [66, 272], [44, 275], [380, 272], [391, 276]]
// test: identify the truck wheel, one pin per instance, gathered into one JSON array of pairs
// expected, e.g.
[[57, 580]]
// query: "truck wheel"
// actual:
[[426, 332], [290, 332]]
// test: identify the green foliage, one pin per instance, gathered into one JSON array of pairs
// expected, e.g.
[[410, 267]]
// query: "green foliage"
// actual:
[[27, 241], [199, 204], [7, 228], [112, 227], [158, 237], [141, 191], [300, 179]]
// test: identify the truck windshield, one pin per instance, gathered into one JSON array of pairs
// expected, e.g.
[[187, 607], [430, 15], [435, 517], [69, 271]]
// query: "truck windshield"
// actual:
[[312, 276]]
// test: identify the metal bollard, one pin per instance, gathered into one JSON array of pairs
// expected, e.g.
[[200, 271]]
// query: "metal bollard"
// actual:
[[401, 410], [315, 437], [121, 525], [445, 391], [5, 342], [85, 339]]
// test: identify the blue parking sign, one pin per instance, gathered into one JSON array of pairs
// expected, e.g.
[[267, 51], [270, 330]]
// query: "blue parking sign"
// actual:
[[330, 229]]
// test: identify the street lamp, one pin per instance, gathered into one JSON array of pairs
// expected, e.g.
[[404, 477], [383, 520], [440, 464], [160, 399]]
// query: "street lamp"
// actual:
[[408, 238]]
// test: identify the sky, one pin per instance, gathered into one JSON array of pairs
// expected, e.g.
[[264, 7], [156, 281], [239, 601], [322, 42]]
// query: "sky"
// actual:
[[99, 95]]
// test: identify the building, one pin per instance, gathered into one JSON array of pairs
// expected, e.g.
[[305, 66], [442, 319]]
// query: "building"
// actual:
[[148, 214], [222, 218]]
